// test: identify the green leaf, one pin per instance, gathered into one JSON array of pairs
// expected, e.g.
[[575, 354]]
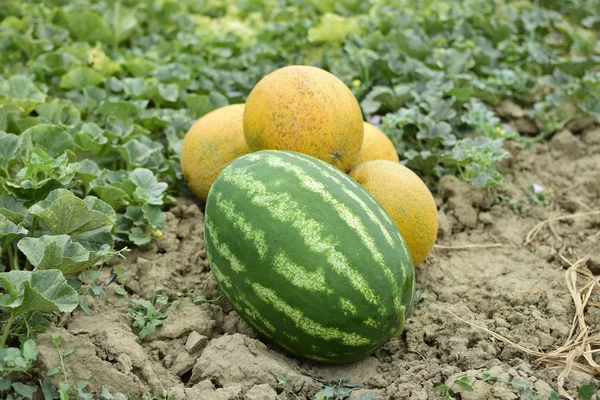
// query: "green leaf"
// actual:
[[13, 149], [29, 350], [120, 109], [24, 390], [59, 252], [81, 77], [140, 67], [464, 384], [115, 196], [121, 21], [333, 28], [461, 94], [49, 390], [198, 104], [41, 175], [53, 139], [148, 190], [106, 394], [9, 232], [86, 26], [45, 291], [12, 209], [139, 154], [5, 383], [59, 114], [586, 392], [64, 213], [440, 388], [20, 87]]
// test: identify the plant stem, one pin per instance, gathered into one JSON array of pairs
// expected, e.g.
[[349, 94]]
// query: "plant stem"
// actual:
[[33, 226], [31, 234], [12, 261], [7, 329]]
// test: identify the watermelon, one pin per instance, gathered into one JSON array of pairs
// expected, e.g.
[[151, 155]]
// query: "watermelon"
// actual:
[[307, 257]]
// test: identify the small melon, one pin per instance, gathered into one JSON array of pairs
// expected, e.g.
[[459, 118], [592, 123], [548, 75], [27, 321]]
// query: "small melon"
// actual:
[[408, 201], [215, 140], [376, 146], [308, 110]]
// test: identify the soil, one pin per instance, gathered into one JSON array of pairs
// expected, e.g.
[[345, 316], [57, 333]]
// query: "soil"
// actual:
[[205, 351]]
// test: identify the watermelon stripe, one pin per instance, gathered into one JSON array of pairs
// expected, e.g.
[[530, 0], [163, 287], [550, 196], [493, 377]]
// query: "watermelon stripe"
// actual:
[[351, 220], [256, 236], [328, 171], [307, 325], [224, 280], [371, 216], [353, 196], [223, 248], [255, 314], [300, 276], [281, 207], [347, 306]]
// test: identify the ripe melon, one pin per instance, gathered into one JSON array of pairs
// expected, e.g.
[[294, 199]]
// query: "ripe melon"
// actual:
[[307, 110], [376, 146], [307, 257], [407, 199], [215, 140]]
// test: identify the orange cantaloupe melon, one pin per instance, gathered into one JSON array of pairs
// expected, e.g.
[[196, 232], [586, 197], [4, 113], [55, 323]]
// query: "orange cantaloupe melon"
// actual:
[[376, 146], [308, 110], [215, 140], [407, 200]]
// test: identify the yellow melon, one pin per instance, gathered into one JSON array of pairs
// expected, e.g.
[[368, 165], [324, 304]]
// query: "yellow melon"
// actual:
[[376, 146], [214, 140], [305, 109], [406, 198]]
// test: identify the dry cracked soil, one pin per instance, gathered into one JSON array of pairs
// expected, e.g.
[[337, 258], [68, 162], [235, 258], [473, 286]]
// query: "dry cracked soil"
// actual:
[[205, 351]]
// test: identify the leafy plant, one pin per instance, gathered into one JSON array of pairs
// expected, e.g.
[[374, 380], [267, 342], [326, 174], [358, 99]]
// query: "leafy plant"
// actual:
[[26, 295], [463, 381], [336, 390], [147, 315]]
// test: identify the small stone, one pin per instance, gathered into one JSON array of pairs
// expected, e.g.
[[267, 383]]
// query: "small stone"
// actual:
[[566, 143], [542, 388], [581, 124], [486, 218], [481, 390], [501, 323], [559, 328], [577, 379], [445, 224], [195, 341], [525, 126], [593, 263], [546, 340], [261, 392], [185, 318], [508, 109], [590, 137], [182, 363], [503, 393], [499, 372]]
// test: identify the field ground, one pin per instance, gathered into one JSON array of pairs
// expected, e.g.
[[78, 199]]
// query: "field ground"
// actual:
[[204, 350], [97, 96]]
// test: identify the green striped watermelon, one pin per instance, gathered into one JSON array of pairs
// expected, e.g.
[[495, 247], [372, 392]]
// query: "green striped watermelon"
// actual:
[[307, 257]]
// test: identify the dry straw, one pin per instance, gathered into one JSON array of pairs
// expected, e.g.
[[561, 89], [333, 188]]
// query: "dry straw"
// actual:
[[577, 353]]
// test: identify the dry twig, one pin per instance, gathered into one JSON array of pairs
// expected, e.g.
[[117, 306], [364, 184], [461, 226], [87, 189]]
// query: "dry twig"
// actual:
[[536, 229], [577, 351], [468, 246]]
